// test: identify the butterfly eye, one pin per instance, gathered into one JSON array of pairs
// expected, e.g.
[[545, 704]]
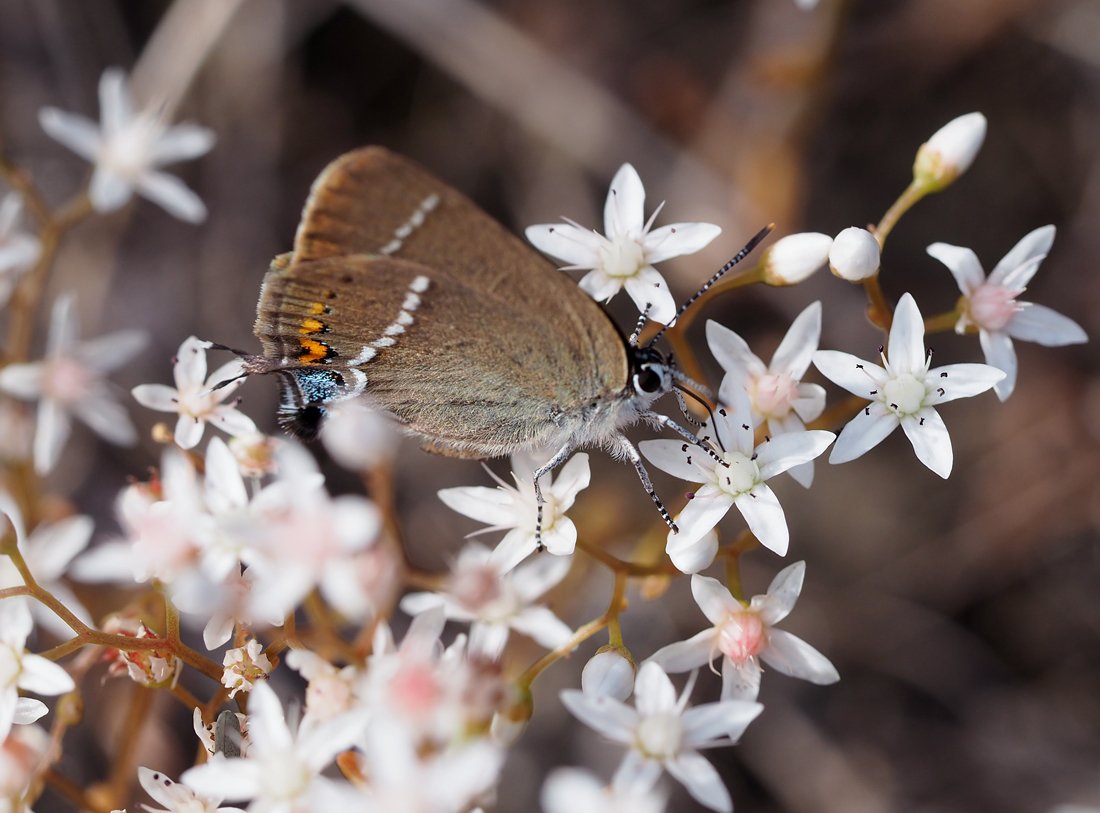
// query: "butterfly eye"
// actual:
[[647, 381]]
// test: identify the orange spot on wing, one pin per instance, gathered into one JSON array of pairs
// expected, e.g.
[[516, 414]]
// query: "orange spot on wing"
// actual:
[[316, 308], [311, 325], [313, 350]]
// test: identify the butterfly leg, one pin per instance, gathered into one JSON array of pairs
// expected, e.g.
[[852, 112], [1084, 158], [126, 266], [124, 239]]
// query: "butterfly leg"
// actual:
[[547, 467], [630, 452], [702, 442]]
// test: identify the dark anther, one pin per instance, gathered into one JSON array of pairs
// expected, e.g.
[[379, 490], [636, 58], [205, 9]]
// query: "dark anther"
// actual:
[[684, 448], [745, 426], [859, 366], [943, 375], [722, 411], [893, 406], [941, 391], [690, 495], [867, 410], [922, 421], [874, 392]]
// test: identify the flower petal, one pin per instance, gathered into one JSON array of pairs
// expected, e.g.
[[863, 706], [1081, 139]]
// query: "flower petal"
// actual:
[[43, 676], [683, 656], [78, 133], [181, 143], [927, 433], [27, 710], [116, 108], [701, 780], [740, 681], [713, 598], [573, 477], [797, 349], [52, 547], [568, 243], [266, 722], [613, 719], [189, 431], [24, 381], [1040, 324], [764, 515], [852, 373], [732, 352], [672, 457], [108, 190], [728, 718], [906, 351], [782, 593], [599, 285], [653, 691], [678, 239], [172, 195], [700, 515], [636, 772], [50, 435], [1000, 353], [156, 396], [781, 452], [963, 380], [624, 210], [106, 417], [229, 778], [792, 656], [864, 432], [962, 263], [692, 555], [1033, 245], [541, 625], [648, 287]]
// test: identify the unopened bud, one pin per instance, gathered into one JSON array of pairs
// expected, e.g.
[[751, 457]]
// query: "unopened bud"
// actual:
[[854, 255], [610, 673], [796, 257], [949, 152]]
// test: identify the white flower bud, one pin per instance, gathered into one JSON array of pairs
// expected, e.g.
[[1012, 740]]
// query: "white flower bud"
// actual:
[[854, 255], [949, 152], [608, 674], [795, 257]]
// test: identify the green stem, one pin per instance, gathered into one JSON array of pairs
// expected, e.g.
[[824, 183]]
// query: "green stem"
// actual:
[[913, 193]]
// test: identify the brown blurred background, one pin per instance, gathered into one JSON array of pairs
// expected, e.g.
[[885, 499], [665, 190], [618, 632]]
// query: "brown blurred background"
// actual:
[[964, 616]]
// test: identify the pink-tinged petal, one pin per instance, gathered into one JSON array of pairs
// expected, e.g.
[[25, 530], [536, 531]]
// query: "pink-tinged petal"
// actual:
[[683, 656], [932, 444], [79, 134], [1000, 353], [782, 593], [740, 681], [55, 545], [636, 772], [189, 431], [189, 370], [781, 452], [962, 381], [229, 778], [809, 403], [797, 349], [573, 477], [1032, 246], [599, 285], [156, 396], [182, 143], [15, 623], [858, 376], [670, 456], [266, 723], [714, 598], [536, 576], [962, 263], [624, 210], [43, 676], [112, 351], [50, 435], [906, 351], [732, 352], [416, 603], [678, 239], [711, 721], [613, 719], [109, 191], [648, 287], [792, 656], [764, 516], [542, 626], [172, 195], [653, 691], [700, 515], [422, 637], [488, 639], [9, 701], [701, 780], [692, 555], [578, 247], [22, 380], [864, 432], [1040, 324], [116, 108], [27, 710], [107, 418]]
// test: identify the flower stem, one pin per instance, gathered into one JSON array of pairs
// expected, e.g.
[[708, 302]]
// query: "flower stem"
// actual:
[[913, 193]]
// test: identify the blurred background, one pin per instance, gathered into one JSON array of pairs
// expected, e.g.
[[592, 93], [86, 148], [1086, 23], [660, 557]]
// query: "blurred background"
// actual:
[[963, 615]]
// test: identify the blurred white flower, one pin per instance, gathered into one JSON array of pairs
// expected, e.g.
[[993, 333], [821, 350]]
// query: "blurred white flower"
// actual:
[[177, 798], [744, 634], [737, 478], [903, 392], [662, 733], [20, 669], [794, 258], [516, 509], [480, 592], [990, 303], [949, 152], [244, 665], [69, 380], [776, 393], [624, 258], [48, 551], [128, 148], [22, 754], [574, 790], [194, 398], [359, 436], [854, 255], [18, 250]]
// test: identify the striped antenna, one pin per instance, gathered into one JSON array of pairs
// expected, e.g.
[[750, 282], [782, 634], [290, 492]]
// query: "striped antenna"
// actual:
[[721, 272]]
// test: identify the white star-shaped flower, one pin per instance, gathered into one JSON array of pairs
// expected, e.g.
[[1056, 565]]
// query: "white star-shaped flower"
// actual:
[[624, 257], [18, 250], [282, 771], [664, 734], [127, 149], [904, 392], [776, 393], [495, 601], [516, 508], [69, 380], [743, 635], [20, 669], [194, 397], [738, 478], [177, 798], [990, 304]]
